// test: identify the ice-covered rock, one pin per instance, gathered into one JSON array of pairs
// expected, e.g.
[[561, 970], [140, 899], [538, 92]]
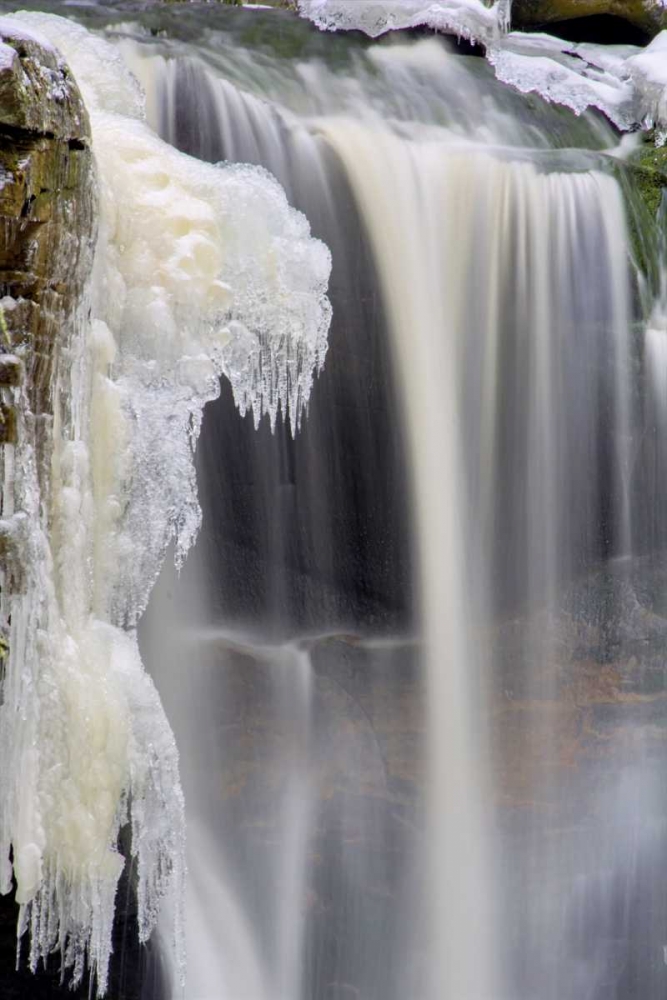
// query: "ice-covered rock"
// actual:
[[578, 76], [198, 271], [471, 19], [648, 71]]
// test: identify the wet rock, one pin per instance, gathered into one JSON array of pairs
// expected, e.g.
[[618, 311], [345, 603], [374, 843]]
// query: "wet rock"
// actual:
[[11, 371], [46, 212], [649, 174], [579, 694], [647, 15]]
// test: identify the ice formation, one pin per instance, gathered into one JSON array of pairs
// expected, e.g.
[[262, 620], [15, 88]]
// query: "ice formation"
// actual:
[[471, 19], [648, 70], [626, 83], [199, 270]]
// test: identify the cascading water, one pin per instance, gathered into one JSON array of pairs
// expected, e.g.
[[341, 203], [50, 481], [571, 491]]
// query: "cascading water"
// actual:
[[439, 213], [397, 659]]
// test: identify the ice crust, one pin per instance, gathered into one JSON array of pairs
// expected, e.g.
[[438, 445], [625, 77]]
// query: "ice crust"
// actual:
[[7, 57], [471, 19], [626, 83], [578, 76], [199, 271]]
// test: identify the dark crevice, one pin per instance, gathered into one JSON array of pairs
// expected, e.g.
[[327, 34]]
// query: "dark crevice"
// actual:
[[27, 206], [605, 29], [13, 133]]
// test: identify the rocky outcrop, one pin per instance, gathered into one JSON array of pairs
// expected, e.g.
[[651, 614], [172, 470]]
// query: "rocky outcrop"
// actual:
[[650, 172], [46, 217], [647, 15]]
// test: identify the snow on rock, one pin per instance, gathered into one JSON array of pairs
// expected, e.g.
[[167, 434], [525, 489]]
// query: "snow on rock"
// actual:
[[8, 57], [648, 71], [470, 19], [13, 26], [626, 83], [578, 76]]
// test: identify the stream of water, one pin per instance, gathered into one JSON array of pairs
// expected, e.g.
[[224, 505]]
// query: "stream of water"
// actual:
[[414, 660]]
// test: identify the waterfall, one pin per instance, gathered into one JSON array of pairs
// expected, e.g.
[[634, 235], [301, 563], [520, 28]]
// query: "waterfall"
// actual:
[[410, 646], [509, 466], [459, 207]]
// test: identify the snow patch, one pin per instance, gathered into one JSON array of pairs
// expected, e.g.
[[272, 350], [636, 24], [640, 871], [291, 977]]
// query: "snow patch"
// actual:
[[8, 57], [14, 26]]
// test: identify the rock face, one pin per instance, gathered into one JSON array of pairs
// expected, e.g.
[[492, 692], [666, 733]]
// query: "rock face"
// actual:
[[651, 174], [647, 15], [46, 214]]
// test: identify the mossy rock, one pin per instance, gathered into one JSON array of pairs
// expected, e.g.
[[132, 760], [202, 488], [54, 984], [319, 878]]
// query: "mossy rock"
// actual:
[[8, 424], [11, 371], [651, 174], [46, 209], [37, 90]]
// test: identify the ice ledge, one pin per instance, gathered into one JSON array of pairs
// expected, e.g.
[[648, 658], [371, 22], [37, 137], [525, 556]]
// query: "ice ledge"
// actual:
[[627, 83]]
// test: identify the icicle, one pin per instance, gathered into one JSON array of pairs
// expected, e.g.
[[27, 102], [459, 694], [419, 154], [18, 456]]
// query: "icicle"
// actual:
[[199, 270]]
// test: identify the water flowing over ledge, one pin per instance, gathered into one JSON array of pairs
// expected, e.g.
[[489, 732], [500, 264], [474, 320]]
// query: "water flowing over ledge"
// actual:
[[199, 271], [626, 83]]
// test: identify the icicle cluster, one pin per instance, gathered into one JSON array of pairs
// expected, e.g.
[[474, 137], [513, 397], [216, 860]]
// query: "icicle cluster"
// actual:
[[199, 270]]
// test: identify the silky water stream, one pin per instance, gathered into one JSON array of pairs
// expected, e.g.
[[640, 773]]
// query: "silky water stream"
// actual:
[[414, 662], [497, 275]]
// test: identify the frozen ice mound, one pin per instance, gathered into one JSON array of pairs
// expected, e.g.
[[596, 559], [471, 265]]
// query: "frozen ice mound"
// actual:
[[199, 271]]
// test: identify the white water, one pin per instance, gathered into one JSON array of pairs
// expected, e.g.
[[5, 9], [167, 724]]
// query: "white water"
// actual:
[[445, 218], [198, 271], [626, 83], [428, 222], [416, 213]]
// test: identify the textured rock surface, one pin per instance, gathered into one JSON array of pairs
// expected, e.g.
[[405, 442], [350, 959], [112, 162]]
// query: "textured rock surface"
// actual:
[[649, 16], [651, 174], [46, 211]]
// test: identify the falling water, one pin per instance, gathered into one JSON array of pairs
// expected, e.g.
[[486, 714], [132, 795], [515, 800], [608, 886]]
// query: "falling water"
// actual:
[[501, 396], [392, 657]]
